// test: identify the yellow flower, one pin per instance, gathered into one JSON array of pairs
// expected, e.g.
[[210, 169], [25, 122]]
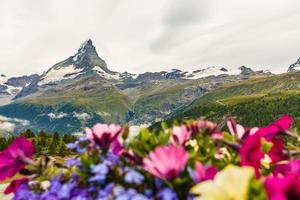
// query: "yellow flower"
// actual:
[[193, 143], [232, 183], [266, 161]]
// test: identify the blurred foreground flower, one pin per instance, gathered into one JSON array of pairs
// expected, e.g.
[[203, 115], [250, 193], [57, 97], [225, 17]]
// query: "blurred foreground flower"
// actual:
[[103, 134], [15, 184], [180, 135], [252, 152], [283, 188], [203, 173], [230, 184], [15, 157], [166, 162]]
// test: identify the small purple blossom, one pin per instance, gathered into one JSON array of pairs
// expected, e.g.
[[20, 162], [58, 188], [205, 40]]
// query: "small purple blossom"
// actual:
[[133, 176], [167, 194]]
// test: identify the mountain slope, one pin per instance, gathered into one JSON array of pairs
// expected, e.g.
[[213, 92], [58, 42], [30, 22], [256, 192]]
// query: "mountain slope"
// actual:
[[255, 102], [82, 90]]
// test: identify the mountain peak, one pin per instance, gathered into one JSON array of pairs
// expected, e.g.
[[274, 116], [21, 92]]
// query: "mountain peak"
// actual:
[[87, 57], [87, 46], [294, 67]]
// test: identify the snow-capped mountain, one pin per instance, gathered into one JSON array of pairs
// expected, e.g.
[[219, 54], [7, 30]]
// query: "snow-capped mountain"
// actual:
[[11, 86], [86, 60], [295, 66], [84, 84], [5, 88], [86, 64]]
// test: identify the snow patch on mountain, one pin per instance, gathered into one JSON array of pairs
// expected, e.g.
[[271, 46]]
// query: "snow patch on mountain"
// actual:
[[102, 73], [59, 74], [211, 71]]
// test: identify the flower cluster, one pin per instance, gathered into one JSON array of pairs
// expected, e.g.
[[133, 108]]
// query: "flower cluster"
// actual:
[[195, 160]]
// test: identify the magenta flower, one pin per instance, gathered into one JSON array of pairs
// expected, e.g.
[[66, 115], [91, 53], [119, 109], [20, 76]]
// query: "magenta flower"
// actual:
[[203, 173], [251, 153], [283, 188], [15, 157], [281, 125], [103, 134], [290, 167], [15, 184], [116, 148], [180, 135], [166, 162]]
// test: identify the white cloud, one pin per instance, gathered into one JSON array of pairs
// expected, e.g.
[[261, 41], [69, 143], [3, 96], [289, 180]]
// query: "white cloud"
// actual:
[[8, 125], [142, 35], [82, 116], [57, 115]]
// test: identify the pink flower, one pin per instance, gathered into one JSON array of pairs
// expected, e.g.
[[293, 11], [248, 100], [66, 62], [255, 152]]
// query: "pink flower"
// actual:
[[283, 188], [15, 184], [281, 125], [103, 134], [15, 157], [202, 125], [238, 130], [251, 152], [203, 173], [116, 148], [291, 167], [180, 135], [166, 162]]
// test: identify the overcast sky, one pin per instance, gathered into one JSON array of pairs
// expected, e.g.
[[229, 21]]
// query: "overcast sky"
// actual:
[[150, 35]]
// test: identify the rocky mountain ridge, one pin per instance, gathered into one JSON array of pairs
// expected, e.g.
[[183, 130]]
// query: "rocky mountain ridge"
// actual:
[[82, 90]]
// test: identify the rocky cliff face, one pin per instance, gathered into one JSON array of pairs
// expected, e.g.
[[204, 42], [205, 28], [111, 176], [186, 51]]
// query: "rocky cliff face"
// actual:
[[295, 66]]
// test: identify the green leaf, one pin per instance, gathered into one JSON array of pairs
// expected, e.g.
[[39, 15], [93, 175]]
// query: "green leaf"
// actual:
[[266, 146]]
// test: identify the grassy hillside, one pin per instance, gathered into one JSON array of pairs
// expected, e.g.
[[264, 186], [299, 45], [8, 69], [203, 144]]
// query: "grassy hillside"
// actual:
[[106, 101], [254, 102]]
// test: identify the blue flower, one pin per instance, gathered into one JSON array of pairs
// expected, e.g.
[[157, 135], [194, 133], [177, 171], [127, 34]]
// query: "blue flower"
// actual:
[[24, 193], [100, 172], [118, 190], [76, 147], [110, 159], [72, 162], [133, 176], [167, 194], [98, 178], [139, 197], [100, 169]]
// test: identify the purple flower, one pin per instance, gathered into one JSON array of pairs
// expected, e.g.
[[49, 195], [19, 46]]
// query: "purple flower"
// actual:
[[100, 172], [15, 157], [167, 194], [76, 147], [15, 184], [72, 162], [25, 193], [133, 176]]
